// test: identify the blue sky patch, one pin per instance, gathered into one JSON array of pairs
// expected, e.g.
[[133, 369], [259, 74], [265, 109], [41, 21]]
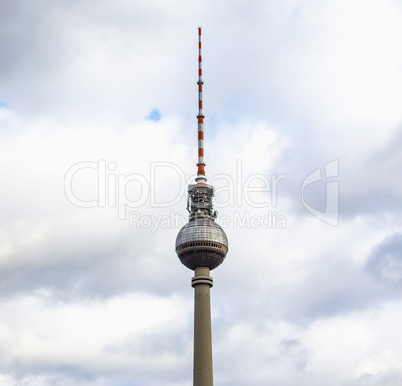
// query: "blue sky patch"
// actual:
[[154, 115]]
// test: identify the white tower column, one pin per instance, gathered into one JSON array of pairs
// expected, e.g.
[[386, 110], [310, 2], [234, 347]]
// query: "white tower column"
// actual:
[[202, 283]]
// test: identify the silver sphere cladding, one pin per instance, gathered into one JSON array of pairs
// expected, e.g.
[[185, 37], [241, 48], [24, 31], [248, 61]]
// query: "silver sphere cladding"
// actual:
[[201, 243]]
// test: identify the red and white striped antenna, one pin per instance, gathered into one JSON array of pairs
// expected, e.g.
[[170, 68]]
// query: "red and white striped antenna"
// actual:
[[200, 117]]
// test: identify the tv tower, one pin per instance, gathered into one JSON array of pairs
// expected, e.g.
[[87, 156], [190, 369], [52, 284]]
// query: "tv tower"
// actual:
[[201, 245]]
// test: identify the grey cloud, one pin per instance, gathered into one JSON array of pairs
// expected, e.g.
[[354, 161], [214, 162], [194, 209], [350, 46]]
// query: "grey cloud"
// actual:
[[294, 348], [71, 58], [369, 185], [330, 285], [97, 265], [387, 377], [374, 185], [385, 262]]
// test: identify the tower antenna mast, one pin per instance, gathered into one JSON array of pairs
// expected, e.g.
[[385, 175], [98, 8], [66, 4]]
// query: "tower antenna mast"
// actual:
[[201, 163]]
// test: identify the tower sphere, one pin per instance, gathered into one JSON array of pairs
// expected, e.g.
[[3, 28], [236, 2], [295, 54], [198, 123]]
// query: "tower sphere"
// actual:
[[201, 243]]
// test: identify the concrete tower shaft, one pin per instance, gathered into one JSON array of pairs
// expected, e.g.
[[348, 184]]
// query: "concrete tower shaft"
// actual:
[[203, 372]]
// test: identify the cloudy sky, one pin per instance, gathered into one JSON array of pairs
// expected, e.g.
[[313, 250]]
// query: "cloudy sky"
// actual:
[[303, 128]]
